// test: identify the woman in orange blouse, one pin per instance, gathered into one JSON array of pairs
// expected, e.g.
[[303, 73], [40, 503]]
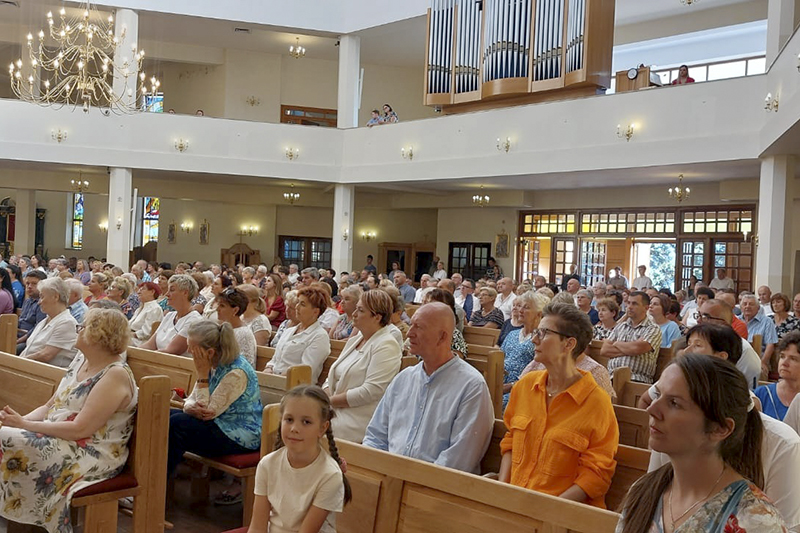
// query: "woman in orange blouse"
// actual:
[[562, 433]]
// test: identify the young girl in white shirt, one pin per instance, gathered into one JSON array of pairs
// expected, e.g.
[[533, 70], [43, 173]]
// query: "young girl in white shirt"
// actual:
[[299, 487]]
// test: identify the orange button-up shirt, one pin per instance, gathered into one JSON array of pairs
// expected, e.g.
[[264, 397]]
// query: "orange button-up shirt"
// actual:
[[572, 442]]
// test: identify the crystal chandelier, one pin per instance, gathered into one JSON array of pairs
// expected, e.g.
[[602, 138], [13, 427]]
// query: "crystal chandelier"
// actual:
[[297, 51], [679, 193], [291, 197], [80, 68], [480, 199]]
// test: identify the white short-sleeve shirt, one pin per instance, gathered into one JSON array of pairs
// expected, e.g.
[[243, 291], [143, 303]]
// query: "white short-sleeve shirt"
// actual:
[[292, 491], [58, 331], [170, 327]]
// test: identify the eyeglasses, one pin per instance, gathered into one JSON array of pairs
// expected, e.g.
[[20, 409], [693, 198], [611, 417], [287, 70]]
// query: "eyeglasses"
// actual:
[[705, 317], [79, 328], [540, 333]]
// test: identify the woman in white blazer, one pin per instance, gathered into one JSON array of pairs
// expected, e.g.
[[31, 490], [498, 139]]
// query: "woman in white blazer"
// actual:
[[368, 363]]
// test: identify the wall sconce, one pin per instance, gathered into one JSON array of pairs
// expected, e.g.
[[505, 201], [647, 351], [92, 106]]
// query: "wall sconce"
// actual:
[[292, 153], [798, 62], [627, 133], [59, 135], [181, 145], [119, 223], [103, 227], [252, 101], [345, 234], [770, 103], [407, 153], [368, 235], [187, 226], [750, 237], [504, 146], [248, 231]]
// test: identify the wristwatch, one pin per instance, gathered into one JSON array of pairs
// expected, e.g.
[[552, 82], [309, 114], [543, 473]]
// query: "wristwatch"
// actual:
[[202, 381]]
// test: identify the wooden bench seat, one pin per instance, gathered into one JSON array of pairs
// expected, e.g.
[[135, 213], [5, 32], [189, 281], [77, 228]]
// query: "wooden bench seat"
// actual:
[[8, 332], [26, 384], [628, 392], [481, 336]]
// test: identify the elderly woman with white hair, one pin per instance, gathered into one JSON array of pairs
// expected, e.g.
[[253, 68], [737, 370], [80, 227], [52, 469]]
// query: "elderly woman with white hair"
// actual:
[[518, 345], [343, 328], [53, 339], [291, 317], [170, 337], [118, 292]]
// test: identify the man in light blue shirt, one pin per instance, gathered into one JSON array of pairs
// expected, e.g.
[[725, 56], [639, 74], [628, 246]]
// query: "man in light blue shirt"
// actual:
[[76, 306], [439, 410], [759, 324], [406, 290]]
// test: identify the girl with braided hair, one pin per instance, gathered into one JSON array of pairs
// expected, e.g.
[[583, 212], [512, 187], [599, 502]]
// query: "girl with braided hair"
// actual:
[[299, 487]]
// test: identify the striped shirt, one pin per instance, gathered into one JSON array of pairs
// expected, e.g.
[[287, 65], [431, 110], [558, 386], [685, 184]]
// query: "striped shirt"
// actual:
[[643, 366]]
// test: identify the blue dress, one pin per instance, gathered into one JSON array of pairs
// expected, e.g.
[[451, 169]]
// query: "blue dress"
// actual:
[[771, 405], [518, 356], [669, 332]]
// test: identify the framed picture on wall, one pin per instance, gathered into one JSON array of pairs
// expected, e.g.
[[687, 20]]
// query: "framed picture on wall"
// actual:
[[204, 232], [501, 245], [171, 233]]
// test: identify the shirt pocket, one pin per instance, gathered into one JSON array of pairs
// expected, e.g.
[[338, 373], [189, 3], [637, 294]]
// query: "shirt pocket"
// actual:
[[518, 426], [560, 451]]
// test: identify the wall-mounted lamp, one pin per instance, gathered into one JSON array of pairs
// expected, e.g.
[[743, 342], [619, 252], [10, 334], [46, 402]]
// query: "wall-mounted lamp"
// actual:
[[345, 234], [407, 153], [504, 146], [798, 62], [103, 227], [181, 145], [627, 133], [750, 237], [368, 235], [292, 153], [119, 223], [770, 103], [252, 101], [187, 226], [247, 231], [59, 135]]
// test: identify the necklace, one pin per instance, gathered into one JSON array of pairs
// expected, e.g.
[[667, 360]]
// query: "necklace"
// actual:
[[695, 504]]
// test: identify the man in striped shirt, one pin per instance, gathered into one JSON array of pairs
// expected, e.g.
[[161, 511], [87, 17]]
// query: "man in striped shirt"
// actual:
[[635, 341]]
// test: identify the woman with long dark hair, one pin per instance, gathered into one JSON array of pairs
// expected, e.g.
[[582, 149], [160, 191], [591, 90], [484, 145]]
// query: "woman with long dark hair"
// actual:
[[8, 300], [703, 418]]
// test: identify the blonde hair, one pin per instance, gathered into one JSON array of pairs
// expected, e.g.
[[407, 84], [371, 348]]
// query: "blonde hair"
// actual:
[[122, 284], [107, 328], [379, 303], [207, 334], [253, 297], [101, 279], [488, 290]]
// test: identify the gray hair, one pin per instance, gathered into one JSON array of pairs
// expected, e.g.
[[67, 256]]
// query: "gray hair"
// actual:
[[311, 271], [75, 287], [249, 270], [600, 285], [585, 292], [747, 296], [58, 286], [262, 269], [352, 290], [535, 299], [290, 296], [564, 298], [184, 282]]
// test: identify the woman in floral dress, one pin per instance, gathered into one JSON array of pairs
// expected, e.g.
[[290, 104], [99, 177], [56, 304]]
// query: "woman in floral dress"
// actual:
[[78, 438]]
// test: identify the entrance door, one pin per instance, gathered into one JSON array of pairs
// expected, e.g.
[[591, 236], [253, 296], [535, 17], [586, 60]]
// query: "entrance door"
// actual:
[[691, 261], [593, 261], [737, 258], [659, 258], [564, 255]]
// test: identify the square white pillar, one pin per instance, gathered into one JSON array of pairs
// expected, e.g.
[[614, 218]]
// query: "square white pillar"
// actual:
[[349, 97], [342, 248], [120, 219], [25, 222], [774, 230], [127, 22], [780, 26]]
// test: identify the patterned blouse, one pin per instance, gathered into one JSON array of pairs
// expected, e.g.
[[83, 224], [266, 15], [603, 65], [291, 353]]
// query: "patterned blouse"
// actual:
[[739, 508], [787, 326], [478, 319], [601, 332], [343, 328], [519, 350]]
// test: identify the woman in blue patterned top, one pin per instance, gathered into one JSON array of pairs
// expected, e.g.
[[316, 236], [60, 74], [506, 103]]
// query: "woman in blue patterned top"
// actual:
[[222, 415], [518, 345]]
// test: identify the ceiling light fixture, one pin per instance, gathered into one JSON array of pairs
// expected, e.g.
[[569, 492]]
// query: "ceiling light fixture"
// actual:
[[291, 197], [679, 193], [80, 185], [297, 51], [480, 199], [80, 70]]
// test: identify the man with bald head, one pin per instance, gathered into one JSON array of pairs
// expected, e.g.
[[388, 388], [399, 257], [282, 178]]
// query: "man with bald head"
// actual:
[[439, 410], [505, 296], [764, 297], [715, 311], [450, 286], [737, 323]]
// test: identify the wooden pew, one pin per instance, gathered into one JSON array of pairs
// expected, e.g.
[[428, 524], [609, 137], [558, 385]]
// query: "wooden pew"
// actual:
[[8, 332], [180, 370], [263, 355], [398, 494], [411, 309], [481, 336], [632, 464], [758, 345], [489, 361], [628, 392], [593, 351], [26, 384], [634, 426]]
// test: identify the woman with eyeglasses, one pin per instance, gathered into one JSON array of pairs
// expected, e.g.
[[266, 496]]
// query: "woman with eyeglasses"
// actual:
[[562, 433], [170, 337], [362, 372], [231, 305]]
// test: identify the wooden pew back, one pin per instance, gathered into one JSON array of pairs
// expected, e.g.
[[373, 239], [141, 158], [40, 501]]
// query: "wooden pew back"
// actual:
[[481, 336], [628, 392], [593, 351], [489, 361], [8, 332], [634, 426], [757, 344], [180, 370], [273, 387], [411, 309], [26, 384], [397, 494]]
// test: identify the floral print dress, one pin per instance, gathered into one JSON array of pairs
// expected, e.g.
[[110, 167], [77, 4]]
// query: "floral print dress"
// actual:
[[519, 351], [40, 474], [739, 508]]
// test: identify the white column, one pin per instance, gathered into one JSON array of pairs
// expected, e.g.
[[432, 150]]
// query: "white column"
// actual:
[[780, 25], [25, 222], [127, 22], [774, 230], [342, 249], [120, 193], [349, 76]]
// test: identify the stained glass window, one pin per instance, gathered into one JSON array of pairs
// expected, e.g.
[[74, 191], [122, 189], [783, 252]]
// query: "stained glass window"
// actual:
[[150, 215], [77, 220]]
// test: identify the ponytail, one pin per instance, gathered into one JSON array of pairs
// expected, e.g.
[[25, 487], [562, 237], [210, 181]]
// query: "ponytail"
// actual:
[[747, 459]]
